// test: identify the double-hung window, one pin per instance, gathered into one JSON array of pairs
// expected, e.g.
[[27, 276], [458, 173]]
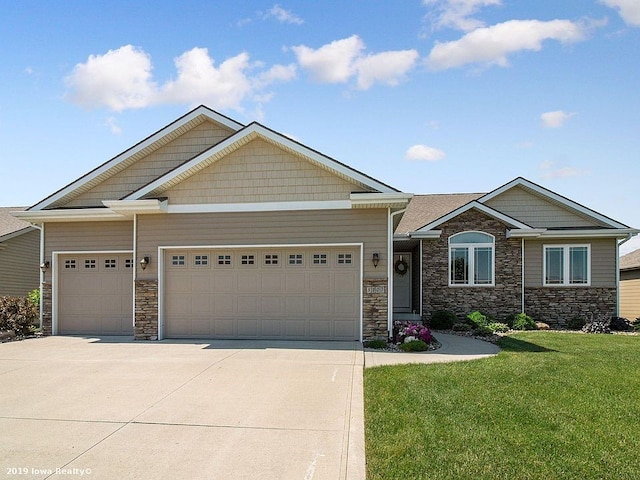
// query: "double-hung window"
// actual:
[[471, 259], [567, 265]]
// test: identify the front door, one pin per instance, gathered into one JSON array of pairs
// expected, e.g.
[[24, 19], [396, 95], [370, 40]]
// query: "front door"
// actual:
[[402, 283]]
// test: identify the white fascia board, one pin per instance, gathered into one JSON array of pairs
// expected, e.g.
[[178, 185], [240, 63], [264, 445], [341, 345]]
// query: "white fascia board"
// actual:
[[17, 233], [131, 207], [260, 207], [552, 195], [595, 233], [75, 215], [381, 200], [258, 130], [426, 234], [525, 233], [201, 110], [479, 206]]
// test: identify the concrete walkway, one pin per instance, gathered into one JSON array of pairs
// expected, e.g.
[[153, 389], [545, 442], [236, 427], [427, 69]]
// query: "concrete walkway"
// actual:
[[454, 348], [111, 408]]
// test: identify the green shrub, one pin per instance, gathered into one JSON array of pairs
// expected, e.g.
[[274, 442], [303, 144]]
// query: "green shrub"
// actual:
[[414, 346], [478, 319], [442, 320], [576, 323], [461, 327], [484, 331], [497, 327], [376, 343], [18, 314], [34, 297], [522, 321]]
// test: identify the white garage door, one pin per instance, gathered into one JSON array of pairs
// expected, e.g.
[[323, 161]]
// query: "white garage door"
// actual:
[[270, 293], [95, 294]]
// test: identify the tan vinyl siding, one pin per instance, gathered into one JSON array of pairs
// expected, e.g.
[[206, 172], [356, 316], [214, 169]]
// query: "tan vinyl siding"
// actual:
[[88, 236], [630, 294], [603, 261], [536, 211], [154, 165], [260, 172], [266, 228], [19, 264]]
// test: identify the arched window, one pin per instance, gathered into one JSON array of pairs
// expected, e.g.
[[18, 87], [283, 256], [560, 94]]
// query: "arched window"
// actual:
[[471, 259]]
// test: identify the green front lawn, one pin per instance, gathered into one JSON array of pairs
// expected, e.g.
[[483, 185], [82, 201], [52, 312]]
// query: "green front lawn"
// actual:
[[549, 406]]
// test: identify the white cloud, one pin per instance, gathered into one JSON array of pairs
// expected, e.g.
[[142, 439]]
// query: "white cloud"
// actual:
[[122, 79], [283, 16], [341, 60], [549, 170], [113, 126], [629, 10], [555, 119], [424, 153], [491, 45], [119, 79], [457, 13], [333, 62], [386, 67]]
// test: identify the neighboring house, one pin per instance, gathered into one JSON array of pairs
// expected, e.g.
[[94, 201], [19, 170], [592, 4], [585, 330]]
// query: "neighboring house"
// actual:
[[519, 248], [630, 285], [19, 254], [213, 229], [209, 228]]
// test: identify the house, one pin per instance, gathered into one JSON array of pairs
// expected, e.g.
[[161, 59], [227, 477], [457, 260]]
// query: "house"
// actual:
[[19, 254], [630, 285], [213, 229], [210, 228], [519, 248]]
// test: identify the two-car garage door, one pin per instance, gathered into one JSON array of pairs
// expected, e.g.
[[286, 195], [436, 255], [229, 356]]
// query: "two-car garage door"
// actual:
[[271, 293]]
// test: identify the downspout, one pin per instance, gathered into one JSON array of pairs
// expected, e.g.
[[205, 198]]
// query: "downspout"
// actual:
[[42, 274], [134, 268], [522, 288], [390, 271]]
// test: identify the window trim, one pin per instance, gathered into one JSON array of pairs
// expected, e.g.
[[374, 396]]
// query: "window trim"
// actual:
[[566, 249], [471, 247]]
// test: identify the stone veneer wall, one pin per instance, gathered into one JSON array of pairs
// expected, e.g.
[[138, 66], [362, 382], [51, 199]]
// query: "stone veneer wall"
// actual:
[[146, 314], [375, 308], [499, 301], [47, 309], [557, 305]]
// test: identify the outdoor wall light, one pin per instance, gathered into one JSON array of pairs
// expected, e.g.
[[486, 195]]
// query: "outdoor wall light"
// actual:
[[44, 266], [144, 262], [375, 259]]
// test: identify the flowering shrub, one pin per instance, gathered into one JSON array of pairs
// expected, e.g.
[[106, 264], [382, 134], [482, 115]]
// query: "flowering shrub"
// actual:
[[408, 331]]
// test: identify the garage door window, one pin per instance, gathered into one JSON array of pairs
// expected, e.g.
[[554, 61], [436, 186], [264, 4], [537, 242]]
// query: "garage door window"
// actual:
[[128, 263], [345, 259], [296, 259], [110, 263], [69, 264], [201, 260], [271, 259], [319, 258], [178, 261], [89, 264], [224, 260], [248, 259]]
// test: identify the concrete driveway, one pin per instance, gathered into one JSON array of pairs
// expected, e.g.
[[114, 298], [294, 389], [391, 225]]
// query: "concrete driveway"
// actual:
[[106, 408]]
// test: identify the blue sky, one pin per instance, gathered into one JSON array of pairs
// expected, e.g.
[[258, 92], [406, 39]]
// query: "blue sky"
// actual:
[[430, 96]]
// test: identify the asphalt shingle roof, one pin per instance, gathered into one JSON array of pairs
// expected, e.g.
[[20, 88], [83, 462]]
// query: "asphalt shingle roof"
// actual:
[[9, 223], [424, 209], [630, 260]]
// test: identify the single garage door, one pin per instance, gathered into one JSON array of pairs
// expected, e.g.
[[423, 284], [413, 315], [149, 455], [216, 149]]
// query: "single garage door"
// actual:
[[95, 294], [272, 293]]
